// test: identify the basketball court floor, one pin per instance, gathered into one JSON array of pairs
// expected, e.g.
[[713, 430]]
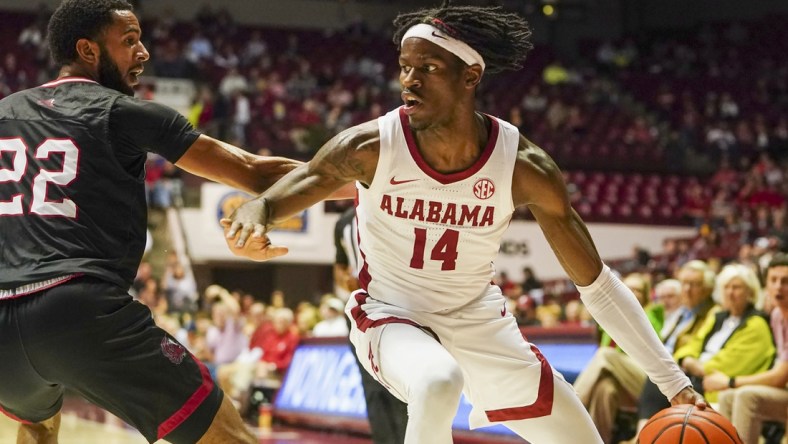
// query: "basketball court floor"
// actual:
[[84, 423], [76, 430]]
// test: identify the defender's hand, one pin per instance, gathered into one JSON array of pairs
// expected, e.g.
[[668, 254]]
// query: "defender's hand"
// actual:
[[689, 396], [256, 248], [250, 219]]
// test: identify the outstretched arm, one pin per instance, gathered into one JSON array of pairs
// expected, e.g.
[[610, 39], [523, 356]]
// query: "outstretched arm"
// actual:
[[350, 156], [230, 165], [539, 185], [225, 163]]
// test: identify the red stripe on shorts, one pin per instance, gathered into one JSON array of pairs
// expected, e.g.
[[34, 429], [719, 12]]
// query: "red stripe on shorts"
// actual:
[[543, 405], [363, 322], [191, 404], [12, 416]]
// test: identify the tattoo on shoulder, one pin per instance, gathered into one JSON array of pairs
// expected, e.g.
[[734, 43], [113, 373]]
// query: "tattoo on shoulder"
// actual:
[[351, 155]]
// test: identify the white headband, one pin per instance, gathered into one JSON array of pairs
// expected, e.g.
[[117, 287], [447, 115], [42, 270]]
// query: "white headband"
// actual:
[[445, 41]]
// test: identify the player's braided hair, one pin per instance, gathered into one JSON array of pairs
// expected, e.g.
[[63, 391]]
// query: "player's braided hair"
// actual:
[[500, 37], [79, 19]]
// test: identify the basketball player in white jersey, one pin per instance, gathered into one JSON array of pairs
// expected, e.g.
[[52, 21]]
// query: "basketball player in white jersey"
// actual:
[[437, 185]]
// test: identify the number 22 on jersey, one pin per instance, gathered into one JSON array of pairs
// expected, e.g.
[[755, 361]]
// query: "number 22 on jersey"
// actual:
[[62, 177]]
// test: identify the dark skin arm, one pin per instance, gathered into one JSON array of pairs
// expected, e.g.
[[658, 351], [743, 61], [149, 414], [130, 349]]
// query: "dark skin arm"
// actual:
[[538, 183], [350, 156], [230, 165]]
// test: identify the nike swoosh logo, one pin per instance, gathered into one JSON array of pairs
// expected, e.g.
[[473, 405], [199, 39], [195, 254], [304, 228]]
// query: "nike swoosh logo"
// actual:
[[438, 36], [400, 182]]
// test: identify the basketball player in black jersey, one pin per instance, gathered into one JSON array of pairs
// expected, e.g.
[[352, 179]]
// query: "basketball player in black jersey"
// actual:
[[73, 217]]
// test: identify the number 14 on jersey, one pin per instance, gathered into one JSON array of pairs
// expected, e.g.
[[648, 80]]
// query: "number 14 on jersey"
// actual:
[[444, 251]]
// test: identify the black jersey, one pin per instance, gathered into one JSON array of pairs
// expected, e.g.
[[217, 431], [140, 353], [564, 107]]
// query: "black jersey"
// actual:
[[72, 190]]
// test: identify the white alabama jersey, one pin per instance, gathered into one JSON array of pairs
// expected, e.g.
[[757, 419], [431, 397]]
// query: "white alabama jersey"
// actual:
[[428, 240]]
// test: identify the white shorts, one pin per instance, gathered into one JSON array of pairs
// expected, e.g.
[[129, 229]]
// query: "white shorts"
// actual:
[[505, 377]]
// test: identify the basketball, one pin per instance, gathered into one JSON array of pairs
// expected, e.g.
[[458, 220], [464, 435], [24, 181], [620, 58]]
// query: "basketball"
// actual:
[[685, 424]]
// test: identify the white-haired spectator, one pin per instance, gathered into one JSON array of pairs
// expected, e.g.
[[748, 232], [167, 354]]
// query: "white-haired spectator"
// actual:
[[333, 323]]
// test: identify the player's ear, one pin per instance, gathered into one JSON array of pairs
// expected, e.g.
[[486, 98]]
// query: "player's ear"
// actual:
[[473, 75], [88, 51]]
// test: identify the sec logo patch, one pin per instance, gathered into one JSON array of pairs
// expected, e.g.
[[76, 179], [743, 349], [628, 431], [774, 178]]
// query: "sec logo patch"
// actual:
[[483, 189]]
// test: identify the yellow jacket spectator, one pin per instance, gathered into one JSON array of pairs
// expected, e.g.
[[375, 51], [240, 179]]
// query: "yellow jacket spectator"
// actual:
[[748, 350], [736, 341]]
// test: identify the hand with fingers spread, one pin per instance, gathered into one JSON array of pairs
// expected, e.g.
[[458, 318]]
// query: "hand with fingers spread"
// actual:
[[245, 232]]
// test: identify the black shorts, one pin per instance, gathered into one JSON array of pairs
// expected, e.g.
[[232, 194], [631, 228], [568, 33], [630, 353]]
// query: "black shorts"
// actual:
[[88, 335]]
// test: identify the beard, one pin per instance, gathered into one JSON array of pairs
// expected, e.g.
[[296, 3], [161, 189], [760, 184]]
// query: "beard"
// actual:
[[109, 74]]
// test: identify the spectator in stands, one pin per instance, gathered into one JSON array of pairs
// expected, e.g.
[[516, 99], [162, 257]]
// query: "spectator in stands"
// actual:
[[526, 312], [171, 63], [180, 289], [240, 118], [277, 299], [247, 300], [576, 121], [199, 48], [576, 315], [333, 323], [32, 37], [530, 281], [736, 340], [151, 296], [697, 306], [504, 282], [695, 204], [144, 273], [254, 49], [761, 397], [516, 118], [232, 81], [549, 314], [555, 73], [225, 339], [226, 58], [612, 378], [235, 377], [254, 315], [534, 101], [668, 295], [173, 184], [557, 113], [306, 318], [33, 40], [278, 344]]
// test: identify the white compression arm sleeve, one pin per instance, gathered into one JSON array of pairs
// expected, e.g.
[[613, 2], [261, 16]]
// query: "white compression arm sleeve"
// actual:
[[617, 310]]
